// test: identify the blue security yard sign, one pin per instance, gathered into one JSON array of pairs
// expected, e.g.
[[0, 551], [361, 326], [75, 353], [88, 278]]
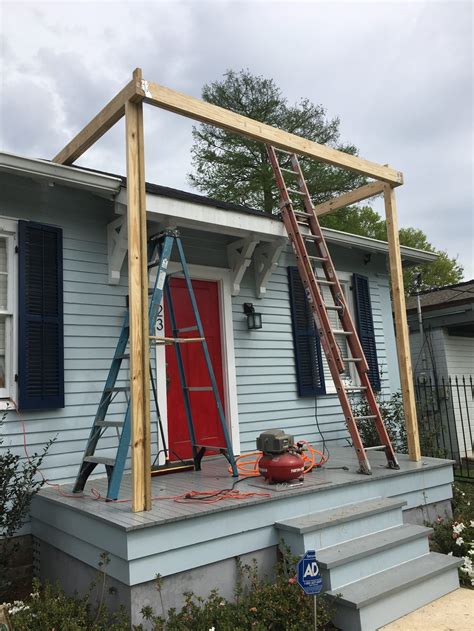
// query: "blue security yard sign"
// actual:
[[308, 576]]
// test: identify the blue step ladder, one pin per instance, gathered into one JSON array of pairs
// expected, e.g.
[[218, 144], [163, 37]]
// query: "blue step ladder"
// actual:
[[160, 248]]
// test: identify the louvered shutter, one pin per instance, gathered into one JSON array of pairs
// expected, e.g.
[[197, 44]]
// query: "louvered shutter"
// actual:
[[309, 367], [365, 326], [41, 338]]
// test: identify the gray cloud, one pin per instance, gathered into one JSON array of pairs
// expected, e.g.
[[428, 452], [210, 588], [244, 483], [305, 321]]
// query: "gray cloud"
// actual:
[[399, 75]]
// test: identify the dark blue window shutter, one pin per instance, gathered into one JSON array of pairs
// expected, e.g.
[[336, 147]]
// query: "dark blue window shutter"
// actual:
[[40, 321], [309, 364], [365, 326]]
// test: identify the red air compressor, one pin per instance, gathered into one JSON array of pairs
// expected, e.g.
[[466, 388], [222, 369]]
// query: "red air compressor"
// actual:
[[281, 460]]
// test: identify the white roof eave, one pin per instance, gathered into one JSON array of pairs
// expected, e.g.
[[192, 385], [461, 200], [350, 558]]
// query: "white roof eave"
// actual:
[[43, 170], [213, 219]]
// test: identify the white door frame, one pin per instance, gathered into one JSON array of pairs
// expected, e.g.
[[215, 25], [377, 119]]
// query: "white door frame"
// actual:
[[224, 287]]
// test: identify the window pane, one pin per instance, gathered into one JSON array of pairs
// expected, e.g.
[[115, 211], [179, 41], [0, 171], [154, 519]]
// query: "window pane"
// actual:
[[3, 274], [2, 351]]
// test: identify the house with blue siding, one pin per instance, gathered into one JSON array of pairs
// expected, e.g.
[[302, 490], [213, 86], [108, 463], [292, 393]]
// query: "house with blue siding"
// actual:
[[63, 247]]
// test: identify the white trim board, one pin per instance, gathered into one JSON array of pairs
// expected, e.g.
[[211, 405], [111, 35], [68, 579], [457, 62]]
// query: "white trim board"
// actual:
[[240, 224], [224, 283]]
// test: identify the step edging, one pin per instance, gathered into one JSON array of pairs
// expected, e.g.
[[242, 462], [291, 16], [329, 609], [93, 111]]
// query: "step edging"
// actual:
[[384, 505], [445, 563], [417, 532]]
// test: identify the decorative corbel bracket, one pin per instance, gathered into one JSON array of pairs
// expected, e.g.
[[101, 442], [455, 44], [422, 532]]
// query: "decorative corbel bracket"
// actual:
[[265, 262], [117, 246], [239, 254]]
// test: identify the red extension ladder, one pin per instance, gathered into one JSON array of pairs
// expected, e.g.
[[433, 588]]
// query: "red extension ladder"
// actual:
[[294, 220]]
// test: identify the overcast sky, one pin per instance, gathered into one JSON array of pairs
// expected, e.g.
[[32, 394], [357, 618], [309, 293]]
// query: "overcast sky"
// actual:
[[398, 74]]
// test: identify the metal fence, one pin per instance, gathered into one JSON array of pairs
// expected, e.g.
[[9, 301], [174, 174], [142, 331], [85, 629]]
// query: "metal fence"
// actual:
[[446, 420]]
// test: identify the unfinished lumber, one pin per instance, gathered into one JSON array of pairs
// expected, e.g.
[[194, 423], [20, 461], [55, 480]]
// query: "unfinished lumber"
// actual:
[[99, 125], [401, 325], [191, 107], [138, 300], [357, 195]]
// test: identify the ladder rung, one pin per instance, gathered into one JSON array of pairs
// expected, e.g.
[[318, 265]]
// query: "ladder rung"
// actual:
[[153, 263], [176, 340], [284, 151], [199, 388], [187, 328], [125, 356], [118, 389], [212, 447], [108, 423], [300, 213], [323, 281], [353, 360], [365, 418], [334, 307], [376, 448], [355, 388], [312, 237], [289, 171], [296, 192], [341, 332], [110, 462]]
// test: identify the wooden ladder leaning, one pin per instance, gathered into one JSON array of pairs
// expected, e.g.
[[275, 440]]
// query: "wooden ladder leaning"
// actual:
[[294, 221]]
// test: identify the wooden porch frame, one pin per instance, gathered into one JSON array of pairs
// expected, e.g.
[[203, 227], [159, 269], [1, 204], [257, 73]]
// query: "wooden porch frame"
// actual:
[[129, 103]]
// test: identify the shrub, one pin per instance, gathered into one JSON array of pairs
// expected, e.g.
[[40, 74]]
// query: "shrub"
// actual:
[[456, 536], [18, 484], [48, 607], [259, 604]]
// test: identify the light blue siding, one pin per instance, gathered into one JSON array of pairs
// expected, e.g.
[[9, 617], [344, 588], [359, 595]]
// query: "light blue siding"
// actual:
[[266, 373], [93, 312]]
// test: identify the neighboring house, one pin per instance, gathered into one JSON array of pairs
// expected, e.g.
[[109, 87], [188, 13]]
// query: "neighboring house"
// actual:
[[443, 356], [63, 250]]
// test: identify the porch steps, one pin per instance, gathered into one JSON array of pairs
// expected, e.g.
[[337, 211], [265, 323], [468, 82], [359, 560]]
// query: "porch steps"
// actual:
[[375, 567]]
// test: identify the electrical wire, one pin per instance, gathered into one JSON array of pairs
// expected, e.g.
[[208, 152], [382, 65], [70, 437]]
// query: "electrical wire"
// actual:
[[208, 497]]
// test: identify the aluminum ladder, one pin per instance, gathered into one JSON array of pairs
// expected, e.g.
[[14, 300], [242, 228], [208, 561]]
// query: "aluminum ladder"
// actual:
[[294, 221], [160, 249]]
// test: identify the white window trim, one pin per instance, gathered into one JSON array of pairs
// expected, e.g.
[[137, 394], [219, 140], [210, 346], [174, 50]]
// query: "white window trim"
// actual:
[[345, 279], [9, 228], [224, 282]]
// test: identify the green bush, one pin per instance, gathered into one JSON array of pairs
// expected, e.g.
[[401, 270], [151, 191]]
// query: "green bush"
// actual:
[[19, 483], [259, 605], [455, 537]]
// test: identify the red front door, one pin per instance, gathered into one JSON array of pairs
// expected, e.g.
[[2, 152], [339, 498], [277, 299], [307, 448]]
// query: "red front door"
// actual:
[[207, 425]]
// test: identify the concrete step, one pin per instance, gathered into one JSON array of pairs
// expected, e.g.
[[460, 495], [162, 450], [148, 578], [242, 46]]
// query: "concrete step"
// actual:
[[333, 526], [372, 602], [353, 560]]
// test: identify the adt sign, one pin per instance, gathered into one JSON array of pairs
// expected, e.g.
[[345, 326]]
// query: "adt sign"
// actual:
[[308, 576]]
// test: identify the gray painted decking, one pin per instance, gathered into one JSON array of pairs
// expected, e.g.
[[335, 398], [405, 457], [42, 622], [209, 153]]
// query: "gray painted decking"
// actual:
[[214, 476]]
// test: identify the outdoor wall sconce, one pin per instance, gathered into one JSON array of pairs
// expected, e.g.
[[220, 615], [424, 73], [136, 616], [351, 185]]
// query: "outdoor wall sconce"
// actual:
[[254, 320]]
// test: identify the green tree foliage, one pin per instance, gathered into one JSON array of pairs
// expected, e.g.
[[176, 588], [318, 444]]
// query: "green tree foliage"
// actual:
[[367, 222], [232, 168], [236, 169]]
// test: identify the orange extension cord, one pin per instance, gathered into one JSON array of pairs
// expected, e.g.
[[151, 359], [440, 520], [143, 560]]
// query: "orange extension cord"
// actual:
[[247, 464], [206, 497]]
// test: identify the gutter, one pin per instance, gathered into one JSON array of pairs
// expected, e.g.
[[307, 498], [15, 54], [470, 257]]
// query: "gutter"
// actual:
[[52, 173]]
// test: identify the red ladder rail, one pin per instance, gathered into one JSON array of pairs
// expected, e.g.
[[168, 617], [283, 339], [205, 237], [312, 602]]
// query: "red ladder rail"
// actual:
[[307, 217]]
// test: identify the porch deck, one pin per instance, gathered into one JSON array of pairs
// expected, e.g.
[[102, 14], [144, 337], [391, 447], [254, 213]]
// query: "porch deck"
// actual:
[[214, 476], [193, 546]]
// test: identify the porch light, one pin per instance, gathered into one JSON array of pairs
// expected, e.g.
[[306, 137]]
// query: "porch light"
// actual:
[[254, 319]]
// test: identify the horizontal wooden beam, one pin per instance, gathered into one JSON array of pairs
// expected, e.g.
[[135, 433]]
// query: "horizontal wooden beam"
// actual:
[[105, 119], [207, 113], [357, 195]]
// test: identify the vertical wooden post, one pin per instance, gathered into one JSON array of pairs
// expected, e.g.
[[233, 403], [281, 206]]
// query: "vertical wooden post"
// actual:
[[401, 325], [138, 307]]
